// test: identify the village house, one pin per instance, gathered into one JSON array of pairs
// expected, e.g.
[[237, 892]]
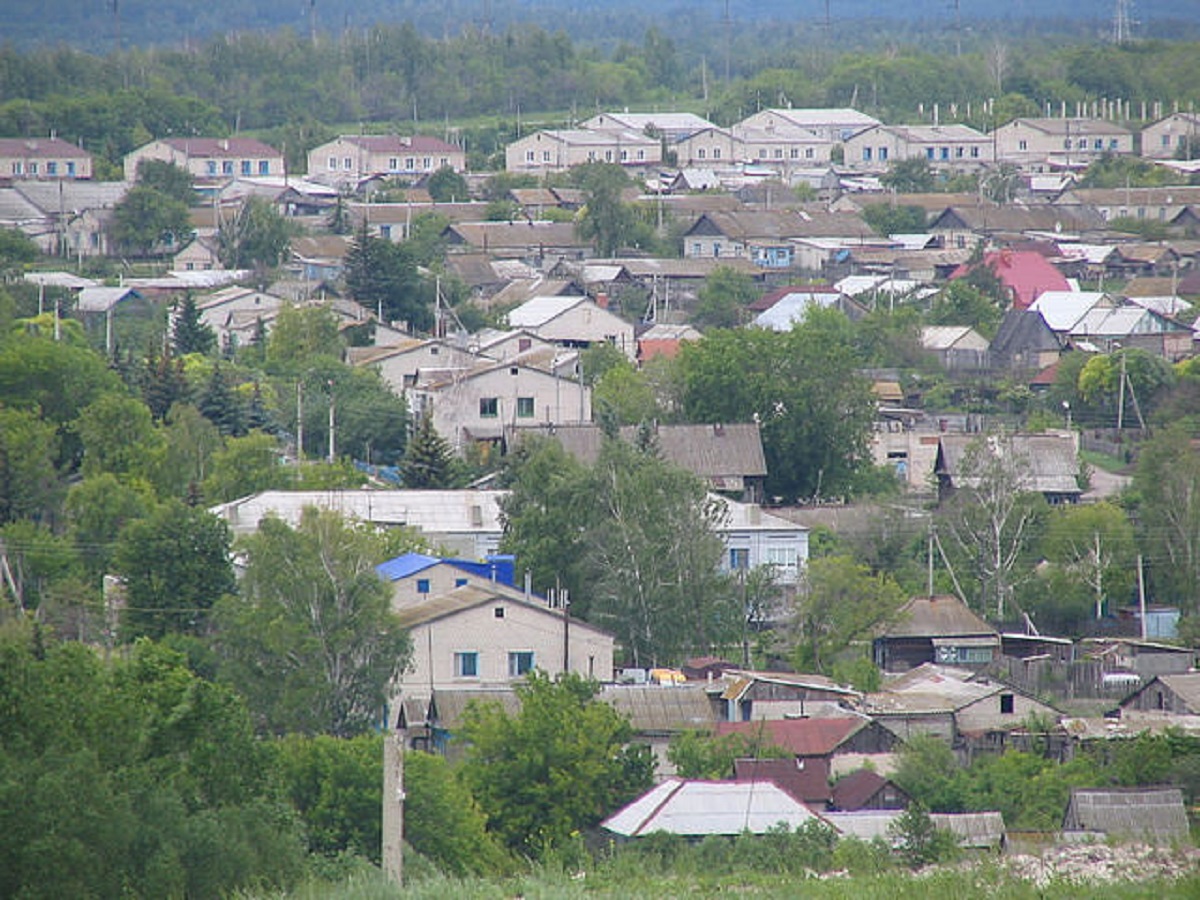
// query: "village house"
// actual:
[[669, 126], [747, 696], [417, 577], [865, 789], [708, 147], [1161, 204], [835, 126], [1149, 815], [65, 217], [492, 635], [1177, 693], [657, 713], [936, 629], [530, 242], [956, 147], [544, 152], [401, 363], [1176, 136], [782, 147], [350, 158], [574, 321], [1046, 463], [48, 158], [210, 158], [765, 238], [957, 347], [1025, 342], [838, 743], [805, 779], [1031, 142], [200, 254]]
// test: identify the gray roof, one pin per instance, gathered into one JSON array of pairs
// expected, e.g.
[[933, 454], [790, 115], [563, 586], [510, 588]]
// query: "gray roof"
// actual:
[[73, 196], [977, 829], [938, 616], [1048, 463], [1155, 814], [662, 709], [709, 451], [449, 705]]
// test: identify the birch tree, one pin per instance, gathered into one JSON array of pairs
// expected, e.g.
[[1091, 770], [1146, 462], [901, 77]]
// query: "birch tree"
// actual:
[[1094, 545]]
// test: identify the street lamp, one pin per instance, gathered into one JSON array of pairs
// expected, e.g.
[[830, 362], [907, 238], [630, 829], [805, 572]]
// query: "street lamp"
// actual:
[[1066, 404]]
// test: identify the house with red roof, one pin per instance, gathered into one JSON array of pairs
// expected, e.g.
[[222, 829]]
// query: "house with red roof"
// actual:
[[353, 157], [817, 737], [1025, 275], [210, 158]]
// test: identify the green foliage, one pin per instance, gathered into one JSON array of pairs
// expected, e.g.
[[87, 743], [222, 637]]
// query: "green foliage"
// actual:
[[17, 250], [920, 842], [98, 508], [257, 237], [888, 219], [961, 303], [447, 186], [312, 643], [560, 765], [29, 482], [189, 333], [168, 179], [427, 462], [910, 176], [382, 275], [245, 466], [625, 396], [175, 563], [118, 436], [928, 772], [815, 412], [157, 789], [860, 672], [1167, 485], [443, 822], [697, 754], [300, 334], [1112, 171], [605, 219], [336, 787], [723, 299], [841, 602], [147, 221], [222, 406], [1094, 545]]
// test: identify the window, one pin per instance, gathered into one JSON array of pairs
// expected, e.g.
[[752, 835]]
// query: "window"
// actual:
[[1082, 145], [524, 407], [700, 153], [347, 163], [958, 152], [212, 167], [795, 153], [426, 163], [264, 167], [716, 152], [779, 153], [545, 156], [866, 154], [227, 167], [697, 248], [408, 163], [528, 156], [608, 156], [333, 164], [716, 250], [33, 168], [641, 154], [385, 232], [1006, 704], [524, 344], [1099, 144], [974, 153], [489, 407], [883, 154], [466, 665], [945, 153], [591, 156], [739, 558], [929, 153], [498, 612], [1022, 145], [519, 663], [1067, 144], [781, 557], [1113, 145], [51, 168], [808, 153], [443, 163], [393, 163], [624, 156], [460, 582], [70, 170], [422, 585]]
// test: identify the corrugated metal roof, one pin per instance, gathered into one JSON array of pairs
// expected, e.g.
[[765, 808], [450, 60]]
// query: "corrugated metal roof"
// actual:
[[801, 737], [662, 709], [406, 565], [1143, 813], [698, 808], [805, 779]]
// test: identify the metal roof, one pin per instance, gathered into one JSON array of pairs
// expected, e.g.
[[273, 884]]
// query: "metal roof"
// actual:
[[1136, 813], [800, 737], [662, 709]]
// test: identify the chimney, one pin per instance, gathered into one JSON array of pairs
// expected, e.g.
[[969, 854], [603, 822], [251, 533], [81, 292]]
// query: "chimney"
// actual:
[[602, 300]]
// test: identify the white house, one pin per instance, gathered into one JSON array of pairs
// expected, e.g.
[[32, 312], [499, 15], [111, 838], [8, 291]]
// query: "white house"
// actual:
[[943, 146], [835, 126], [353, 157], [492, 635], [673, 126], [559, 150], [573, 322], [1178, 135], [210, 157], [1071, 141], [400, 364], [755, 538]]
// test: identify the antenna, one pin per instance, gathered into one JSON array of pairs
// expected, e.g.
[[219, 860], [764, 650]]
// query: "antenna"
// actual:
[[727, 24], [1122, 24]]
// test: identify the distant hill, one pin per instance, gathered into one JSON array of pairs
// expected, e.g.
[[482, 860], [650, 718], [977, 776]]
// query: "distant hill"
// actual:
[[97, 24]]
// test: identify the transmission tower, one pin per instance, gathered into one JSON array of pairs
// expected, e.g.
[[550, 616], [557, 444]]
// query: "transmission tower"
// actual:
[[1122, 24]]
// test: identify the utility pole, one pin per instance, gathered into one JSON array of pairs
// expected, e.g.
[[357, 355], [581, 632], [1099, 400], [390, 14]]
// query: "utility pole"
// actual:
[[393, 804], [299, 422], [1142, 595], [332, 426], [1121, 398]]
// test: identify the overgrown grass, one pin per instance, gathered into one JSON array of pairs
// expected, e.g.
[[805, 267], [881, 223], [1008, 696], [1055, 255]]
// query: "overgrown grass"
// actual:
[[1103, 461], [606, 882]]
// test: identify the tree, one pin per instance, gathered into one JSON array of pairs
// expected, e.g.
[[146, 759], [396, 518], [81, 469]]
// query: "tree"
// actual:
[[164, 384], [1094, 544], [655, 553], [312, 642], [723, 298], [625, 395], [29, 481], [383, 276], [447, 186], [175, 564], [246, 465], [909, 176], [993, 518], [559, 765], [961, 303], [146, 221], [605, 219], [840, 603], [300, 334], [427, 462], [190, 333], [118, 436], [168, 179], [803, 389], [927, 771], [257, 237], [222, 406], [97, 508], [1167, 486], [888, 219], [696, 754], [920, 842]]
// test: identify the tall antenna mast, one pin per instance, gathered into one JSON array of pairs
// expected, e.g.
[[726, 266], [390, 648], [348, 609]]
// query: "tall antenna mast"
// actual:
[[1122, 30], [727, 24]]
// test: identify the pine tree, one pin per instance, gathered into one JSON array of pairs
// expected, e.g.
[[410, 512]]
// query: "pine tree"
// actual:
[[164, 384], [190, 334], [221, 406], [427, 462], [257, 417]]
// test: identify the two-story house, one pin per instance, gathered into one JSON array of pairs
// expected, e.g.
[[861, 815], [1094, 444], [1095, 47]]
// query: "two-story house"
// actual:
[[47, 158], [353, 157], [955, 147], [210, 158], [834, 126], [1069, 141], [1175, 137], [572, 321], [559, 150]]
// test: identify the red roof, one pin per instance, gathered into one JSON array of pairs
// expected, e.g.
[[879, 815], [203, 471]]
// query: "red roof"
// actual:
[[807, 780], [41, 147], [1025, 273], [221, 148], [1046, 377], [394, 143], [856, 789], [801, 737]]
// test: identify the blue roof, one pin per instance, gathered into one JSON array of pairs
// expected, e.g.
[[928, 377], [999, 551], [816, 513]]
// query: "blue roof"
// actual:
[[406, 565]]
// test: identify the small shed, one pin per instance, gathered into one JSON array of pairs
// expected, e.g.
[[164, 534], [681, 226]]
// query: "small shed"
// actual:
[[936, 629], [1155, 815], [1167, 693], [865, 789]]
